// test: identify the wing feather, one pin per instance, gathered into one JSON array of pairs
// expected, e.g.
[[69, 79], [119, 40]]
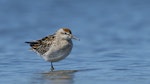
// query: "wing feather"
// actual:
[[42, 46]]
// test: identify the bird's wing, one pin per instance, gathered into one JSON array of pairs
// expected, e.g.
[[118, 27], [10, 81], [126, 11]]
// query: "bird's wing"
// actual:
[[42, 46]]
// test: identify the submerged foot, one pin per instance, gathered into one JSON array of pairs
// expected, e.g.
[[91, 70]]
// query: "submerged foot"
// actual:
[[52, 68]]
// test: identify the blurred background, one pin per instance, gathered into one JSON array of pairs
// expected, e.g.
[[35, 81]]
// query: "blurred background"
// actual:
[[114, 44]]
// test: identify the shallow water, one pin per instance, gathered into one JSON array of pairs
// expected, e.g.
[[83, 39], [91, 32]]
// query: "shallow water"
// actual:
[[114, 44]]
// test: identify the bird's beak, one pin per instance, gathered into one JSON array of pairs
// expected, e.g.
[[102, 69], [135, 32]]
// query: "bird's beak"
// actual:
[[73, 37]]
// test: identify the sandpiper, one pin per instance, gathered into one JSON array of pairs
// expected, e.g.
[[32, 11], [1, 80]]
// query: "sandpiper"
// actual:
[[54, 47]]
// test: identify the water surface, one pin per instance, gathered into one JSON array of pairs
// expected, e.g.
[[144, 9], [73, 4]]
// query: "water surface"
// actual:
[[114, 46]]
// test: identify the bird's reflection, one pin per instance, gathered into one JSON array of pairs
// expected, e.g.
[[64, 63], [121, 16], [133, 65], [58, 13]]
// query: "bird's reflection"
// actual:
[[58, 77]]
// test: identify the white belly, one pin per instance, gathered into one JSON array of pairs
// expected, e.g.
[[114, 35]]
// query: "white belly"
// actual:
[[55, 54]]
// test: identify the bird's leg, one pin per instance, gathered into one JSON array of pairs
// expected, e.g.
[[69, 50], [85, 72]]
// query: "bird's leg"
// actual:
[[52, 68]]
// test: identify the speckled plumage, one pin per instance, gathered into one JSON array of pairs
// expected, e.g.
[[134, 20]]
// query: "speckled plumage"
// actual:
[[54, 47], [42, 46]]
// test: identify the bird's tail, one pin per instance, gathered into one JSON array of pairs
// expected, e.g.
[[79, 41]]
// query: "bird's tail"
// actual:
[[31, 43], [27, 42]]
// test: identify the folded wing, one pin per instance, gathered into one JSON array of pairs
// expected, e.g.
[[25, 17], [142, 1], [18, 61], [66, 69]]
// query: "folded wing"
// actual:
[[42, 46]]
